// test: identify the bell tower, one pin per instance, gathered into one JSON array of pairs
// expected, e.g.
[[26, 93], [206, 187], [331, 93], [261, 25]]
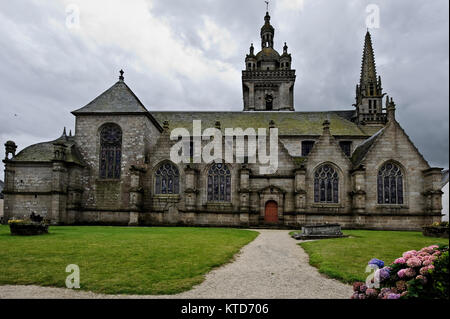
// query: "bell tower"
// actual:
[[369, 92], [268, 80]]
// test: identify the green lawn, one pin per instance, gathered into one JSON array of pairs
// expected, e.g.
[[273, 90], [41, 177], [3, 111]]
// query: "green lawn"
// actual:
[[346, 258], [119, 260]]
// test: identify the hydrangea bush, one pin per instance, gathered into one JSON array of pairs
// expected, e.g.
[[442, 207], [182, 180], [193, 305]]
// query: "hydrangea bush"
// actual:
[[417, 274]]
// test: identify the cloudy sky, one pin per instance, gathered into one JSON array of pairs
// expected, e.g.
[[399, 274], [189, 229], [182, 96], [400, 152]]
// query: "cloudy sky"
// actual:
[[187, 55]]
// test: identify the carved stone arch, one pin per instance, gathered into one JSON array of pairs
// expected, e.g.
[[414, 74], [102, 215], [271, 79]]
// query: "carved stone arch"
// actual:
[[328, 183], [271, 193], [166, 178], [110, 150], [384, 170], [219, 182]]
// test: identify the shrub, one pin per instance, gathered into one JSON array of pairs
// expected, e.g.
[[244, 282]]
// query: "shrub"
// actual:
[[417, 274]]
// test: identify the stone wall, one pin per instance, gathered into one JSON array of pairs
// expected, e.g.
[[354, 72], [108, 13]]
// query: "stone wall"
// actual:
[[139, 136]]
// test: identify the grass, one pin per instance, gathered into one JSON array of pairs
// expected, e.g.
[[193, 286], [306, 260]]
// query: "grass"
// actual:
[[346, 259], [119, 260]]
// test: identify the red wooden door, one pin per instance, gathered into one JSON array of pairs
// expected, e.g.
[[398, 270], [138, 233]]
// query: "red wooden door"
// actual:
[[271, 213]]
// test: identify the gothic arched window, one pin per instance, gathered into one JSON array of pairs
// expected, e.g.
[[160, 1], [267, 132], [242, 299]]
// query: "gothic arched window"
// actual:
[[390, 184], [219, 183], [326, 185], [167, 179], [110, 151]]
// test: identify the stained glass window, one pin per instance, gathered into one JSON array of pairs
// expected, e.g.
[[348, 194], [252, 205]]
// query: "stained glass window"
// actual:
[[326, 185], [110, 151], [219, 183], [167, 179], [390, 184]]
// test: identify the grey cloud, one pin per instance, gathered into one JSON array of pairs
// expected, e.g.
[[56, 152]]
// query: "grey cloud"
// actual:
[[48, 72]]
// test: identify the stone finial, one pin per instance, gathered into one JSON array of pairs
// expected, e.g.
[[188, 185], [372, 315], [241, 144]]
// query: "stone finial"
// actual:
[[272, 124], [121, 77], [285, 48], [10, 148], [166, 125], [390, 109], [326, 127], [252, 50], [217, 125]]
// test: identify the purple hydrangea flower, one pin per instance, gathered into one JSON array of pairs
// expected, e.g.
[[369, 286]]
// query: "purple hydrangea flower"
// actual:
[[376, 262], [394, 296]]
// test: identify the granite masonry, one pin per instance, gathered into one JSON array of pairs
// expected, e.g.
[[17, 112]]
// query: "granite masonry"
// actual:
[[356, 167]]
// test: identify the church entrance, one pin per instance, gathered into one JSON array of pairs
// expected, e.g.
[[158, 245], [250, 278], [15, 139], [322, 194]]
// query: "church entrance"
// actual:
[[271, 212]]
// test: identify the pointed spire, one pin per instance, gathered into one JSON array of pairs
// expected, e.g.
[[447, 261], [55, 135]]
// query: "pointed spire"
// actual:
[[70, 133], [64, 132], [121, 78], [368, 68]]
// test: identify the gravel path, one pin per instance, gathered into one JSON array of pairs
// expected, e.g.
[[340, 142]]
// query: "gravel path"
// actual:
[[272, 266]]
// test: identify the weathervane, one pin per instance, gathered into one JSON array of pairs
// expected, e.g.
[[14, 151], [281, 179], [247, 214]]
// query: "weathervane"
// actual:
[[267, 5]]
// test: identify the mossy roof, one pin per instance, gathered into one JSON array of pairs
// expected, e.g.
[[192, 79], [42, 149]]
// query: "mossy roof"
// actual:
[[44, 152], [288, 123]]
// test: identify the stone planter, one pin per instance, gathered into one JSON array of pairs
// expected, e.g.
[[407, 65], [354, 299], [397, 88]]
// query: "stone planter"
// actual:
[[323, 231], [28, 229], [435, 231]]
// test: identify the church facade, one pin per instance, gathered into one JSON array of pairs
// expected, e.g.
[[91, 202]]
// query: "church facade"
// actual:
[[355, 167]]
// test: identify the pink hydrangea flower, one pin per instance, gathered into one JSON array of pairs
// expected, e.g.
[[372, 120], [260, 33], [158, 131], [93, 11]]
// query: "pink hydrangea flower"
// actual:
[[414, 262], [401, 273], [410, 272], [427, 262], [400, 260], [424, 270], [410, 254]]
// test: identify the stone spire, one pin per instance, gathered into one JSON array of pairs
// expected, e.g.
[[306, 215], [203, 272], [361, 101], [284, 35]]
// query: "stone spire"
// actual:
[[369, 92], [368, 68]]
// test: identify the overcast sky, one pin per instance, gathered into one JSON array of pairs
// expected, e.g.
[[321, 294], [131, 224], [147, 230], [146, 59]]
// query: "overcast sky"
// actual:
[[188, 55]]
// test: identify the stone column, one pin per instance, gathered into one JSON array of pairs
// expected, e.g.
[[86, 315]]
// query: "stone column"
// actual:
[[136, 197], [433, 191], [251, 96], [191, 189], [300, 189], [244, 194], [358, 177]]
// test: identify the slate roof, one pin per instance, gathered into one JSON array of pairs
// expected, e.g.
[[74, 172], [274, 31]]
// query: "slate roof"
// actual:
[[361, 151], [118, 98], [43, 152], [288, 123]]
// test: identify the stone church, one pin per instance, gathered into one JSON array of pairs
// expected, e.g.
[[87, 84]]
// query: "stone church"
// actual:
[[354, 167]]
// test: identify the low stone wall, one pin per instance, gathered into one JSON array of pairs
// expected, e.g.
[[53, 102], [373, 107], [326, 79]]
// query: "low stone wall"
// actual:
[[236, 219]]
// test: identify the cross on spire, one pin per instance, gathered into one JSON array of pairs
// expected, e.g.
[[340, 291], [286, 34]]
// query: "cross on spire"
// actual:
[[121, 78], [267, 5]]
